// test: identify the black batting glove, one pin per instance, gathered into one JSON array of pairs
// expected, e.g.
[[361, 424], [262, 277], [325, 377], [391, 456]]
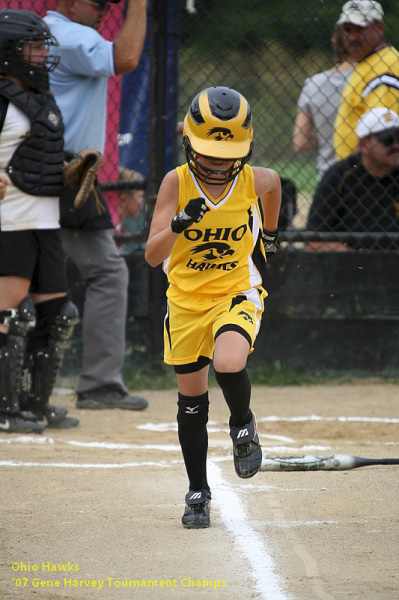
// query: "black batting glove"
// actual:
[[192, 213], [270, 241]]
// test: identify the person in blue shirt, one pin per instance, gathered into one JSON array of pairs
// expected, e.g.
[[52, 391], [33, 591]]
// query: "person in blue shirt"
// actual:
[[80, 88]]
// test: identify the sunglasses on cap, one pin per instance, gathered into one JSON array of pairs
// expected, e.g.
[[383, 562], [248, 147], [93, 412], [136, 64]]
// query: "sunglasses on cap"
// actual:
[[101, 7], [387, 138]]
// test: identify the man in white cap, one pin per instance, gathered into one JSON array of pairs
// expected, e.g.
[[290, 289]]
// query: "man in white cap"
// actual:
[[361, 192], [375, 78]]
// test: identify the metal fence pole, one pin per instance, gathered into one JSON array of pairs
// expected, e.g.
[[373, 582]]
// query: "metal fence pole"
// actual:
[[162, 144]]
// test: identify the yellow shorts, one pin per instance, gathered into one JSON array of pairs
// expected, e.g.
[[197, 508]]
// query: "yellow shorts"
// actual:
[[192, 322]]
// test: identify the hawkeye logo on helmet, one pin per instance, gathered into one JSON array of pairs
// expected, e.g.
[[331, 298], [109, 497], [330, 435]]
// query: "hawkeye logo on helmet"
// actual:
[[220, 133]]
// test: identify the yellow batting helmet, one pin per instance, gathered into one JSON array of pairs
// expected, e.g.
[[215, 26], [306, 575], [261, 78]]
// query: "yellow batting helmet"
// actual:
[[218, 124]]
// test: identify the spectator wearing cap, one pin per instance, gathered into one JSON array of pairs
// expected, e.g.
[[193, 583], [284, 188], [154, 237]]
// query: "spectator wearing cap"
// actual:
[[318, 104], [375, 78], [361, 192], [79, 85]]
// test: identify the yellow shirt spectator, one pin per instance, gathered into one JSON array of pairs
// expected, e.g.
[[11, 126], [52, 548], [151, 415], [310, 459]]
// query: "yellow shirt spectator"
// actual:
[[374, 82]]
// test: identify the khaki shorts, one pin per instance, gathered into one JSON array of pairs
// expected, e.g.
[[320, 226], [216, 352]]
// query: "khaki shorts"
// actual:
[[192, 322]]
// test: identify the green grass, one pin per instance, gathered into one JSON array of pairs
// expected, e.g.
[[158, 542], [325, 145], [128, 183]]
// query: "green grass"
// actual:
[[300, 170], [275, 374], [158, 376], [151, 376]]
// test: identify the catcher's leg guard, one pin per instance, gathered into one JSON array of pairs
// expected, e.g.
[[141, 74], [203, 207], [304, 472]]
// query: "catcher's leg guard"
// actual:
[[42, 364], [12, 353], [11, 363]]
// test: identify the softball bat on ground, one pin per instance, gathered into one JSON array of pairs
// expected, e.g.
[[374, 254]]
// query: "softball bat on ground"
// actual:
[[332, 462]]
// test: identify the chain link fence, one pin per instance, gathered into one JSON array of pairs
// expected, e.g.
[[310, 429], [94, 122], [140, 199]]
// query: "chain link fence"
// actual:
[[267, 51], [270, 52]]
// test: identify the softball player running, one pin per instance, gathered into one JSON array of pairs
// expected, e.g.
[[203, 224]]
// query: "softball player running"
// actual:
[[214, 215]]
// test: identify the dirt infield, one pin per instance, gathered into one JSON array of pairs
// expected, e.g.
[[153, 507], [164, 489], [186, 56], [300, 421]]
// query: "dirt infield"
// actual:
[[95, 512]]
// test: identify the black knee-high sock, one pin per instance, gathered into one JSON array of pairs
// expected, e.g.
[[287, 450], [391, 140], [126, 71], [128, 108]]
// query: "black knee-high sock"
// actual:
[[192, 417], [37, 336], [236, 388]]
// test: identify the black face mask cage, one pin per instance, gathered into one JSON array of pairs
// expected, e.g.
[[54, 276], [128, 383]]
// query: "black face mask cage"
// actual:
[[48, 65], [213, 176]]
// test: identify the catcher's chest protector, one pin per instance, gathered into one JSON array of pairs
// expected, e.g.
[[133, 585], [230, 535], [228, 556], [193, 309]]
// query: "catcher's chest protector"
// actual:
[[36, 165]]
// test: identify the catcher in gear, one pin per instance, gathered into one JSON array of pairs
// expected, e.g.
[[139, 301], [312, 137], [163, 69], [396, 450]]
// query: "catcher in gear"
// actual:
[[212, 215], [36, 317]]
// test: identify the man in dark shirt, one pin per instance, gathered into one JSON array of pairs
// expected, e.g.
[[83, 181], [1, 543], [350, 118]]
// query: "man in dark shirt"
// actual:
[[361, 192]]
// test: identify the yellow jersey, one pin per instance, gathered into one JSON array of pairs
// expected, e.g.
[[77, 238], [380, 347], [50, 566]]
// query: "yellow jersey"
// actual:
[[374, 82], [214, 257]]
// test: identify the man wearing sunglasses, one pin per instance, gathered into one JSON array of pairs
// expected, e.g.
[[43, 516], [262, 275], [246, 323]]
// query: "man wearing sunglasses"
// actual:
[[87, 60], [361, 192], [375, 78]]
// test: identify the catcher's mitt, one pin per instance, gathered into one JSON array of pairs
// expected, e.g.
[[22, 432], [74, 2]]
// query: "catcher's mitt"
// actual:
[[81, 171]]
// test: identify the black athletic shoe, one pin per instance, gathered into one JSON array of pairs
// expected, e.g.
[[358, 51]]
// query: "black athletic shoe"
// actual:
[[55, 417], [17, 424], [109, 397], [198, 506], [247, 451], [66, 423]]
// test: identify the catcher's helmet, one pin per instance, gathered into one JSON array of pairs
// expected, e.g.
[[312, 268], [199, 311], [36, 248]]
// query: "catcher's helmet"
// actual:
[[18, 27], [218, 124]]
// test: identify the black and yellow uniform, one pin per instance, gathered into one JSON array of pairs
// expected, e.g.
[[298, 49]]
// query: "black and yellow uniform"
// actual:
[[214, 284], [215, 294], [374, 82]]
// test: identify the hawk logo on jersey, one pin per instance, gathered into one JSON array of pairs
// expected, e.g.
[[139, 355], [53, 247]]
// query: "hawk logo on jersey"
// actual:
[[214, 242], [220, 134], [214, 250], [246, 316]]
